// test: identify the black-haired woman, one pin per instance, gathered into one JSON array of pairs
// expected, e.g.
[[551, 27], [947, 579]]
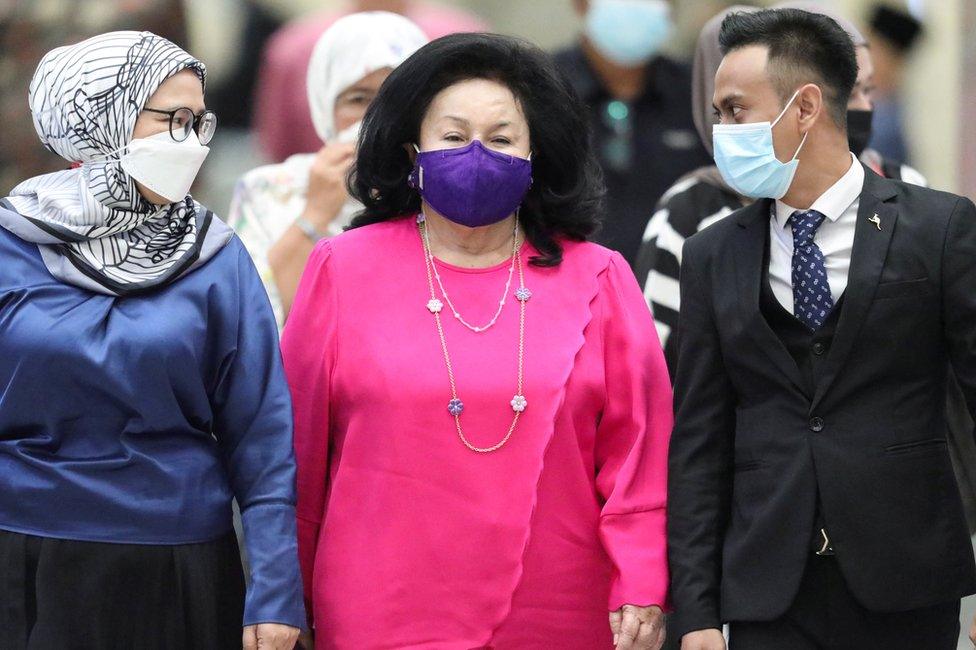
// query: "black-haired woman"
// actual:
[[482, 407]]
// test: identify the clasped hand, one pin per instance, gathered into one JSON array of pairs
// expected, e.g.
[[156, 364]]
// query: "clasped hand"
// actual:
[[637, 628]]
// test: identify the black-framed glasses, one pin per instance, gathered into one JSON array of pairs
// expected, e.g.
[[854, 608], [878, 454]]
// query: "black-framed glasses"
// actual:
[[182, 121]]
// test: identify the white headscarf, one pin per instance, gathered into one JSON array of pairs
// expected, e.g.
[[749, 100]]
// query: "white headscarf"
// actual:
[[93, 227], [353, 47]]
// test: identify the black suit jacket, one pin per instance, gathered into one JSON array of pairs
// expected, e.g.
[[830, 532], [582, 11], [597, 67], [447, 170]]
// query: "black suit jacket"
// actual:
[[753, 444]]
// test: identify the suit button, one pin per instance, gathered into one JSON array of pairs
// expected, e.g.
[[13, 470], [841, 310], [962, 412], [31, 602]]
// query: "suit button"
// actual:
[[819, 348], [816, 425]]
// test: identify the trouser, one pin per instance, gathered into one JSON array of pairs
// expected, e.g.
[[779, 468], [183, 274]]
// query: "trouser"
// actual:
[[826, 616]]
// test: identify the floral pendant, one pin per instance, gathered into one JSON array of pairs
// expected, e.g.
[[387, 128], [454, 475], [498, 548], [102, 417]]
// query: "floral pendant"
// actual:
[[519, 403], [455, 407]]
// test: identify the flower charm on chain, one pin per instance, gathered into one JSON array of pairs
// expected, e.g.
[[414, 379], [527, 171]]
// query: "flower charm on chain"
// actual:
[[455, 407], [519, 403], [435, 305], [523, 294]]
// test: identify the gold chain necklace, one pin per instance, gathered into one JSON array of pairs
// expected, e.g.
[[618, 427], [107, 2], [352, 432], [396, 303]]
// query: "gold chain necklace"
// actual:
[[455, 407]]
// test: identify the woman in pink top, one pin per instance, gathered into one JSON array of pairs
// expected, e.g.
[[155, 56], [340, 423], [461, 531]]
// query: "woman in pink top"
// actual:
[[482, 408]]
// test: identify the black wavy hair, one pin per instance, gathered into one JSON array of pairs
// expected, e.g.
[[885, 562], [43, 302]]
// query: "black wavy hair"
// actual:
[[565, 200], [803, 47]]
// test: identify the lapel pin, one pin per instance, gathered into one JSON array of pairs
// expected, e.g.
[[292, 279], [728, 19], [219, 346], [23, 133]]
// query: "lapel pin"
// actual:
[[876, 220]]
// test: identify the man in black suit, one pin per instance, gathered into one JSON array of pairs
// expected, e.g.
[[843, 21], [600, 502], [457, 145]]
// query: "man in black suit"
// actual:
[[811, 500]]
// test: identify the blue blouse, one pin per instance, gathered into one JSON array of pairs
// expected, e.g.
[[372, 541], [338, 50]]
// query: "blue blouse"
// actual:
[[137, 420]]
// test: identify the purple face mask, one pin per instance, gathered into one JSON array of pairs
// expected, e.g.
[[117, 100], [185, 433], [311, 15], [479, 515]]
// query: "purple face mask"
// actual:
[[472, 186]]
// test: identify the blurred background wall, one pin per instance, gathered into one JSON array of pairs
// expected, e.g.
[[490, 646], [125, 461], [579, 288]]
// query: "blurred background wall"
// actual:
[[229, 35]]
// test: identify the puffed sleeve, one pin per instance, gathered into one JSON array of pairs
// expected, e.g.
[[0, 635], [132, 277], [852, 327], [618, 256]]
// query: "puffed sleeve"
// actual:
[[309, 349], [632, 444], [253, 429]]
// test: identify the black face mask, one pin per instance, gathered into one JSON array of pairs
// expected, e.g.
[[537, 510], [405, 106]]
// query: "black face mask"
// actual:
[[858, 130]]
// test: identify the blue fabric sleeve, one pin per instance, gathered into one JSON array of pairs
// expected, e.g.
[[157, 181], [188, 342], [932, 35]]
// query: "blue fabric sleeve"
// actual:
[[253, 426]]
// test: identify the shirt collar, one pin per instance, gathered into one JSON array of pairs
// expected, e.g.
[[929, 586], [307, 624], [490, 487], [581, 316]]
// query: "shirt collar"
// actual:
[[835, 201]]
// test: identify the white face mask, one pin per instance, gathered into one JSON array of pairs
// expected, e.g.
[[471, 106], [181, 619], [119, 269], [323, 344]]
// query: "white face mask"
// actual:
[[163, 165], [746, 158]]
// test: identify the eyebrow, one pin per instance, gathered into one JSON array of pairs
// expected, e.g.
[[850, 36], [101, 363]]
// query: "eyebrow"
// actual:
[[172, 108], [728, 99], [460, 120]]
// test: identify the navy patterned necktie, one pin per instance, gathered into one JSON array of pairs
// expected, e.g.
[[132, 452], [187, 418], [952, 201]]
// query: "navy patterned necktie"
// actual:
[[812, 301]]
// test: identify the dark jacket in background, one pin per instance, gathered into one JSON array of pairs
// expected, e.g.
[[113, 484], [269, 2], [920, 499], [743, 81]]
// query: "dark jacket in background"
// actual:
[[643, 146]]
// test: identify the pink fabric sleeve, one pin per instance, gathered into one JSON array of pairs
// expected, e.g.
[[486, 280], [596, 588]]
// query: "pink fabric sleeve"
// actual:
[[632, 444], [308, 346]]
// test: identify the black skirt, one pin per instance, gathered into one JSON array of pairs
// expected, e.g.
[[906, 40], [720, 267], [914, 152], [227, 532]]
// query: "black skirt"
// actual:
[[69, 595]]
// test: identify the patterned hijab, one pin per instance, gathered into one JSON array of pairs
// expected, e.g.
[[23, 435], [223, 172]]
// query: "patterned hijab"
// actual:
[[93, 227]]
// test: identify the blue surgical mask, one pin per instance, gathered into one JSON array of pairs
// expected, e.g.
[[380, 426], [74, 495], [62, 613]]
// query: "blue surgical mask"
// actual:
[[628, 32], [746, 158]]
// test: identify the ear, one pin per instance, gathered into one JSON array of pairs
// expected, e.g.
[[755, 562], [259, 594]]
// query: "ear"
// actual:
[[810, 101]]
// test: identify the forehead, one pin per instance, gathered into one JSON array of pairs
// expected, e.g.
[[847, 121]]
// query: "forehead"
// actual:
[[182, 89], [865, 66], [743, 71], [475, 99]]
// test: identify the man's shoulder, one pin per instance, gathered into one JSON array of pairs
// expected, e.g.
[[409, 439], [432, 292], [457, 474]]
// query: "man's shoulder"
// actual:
[[716, 235], [924, 204]]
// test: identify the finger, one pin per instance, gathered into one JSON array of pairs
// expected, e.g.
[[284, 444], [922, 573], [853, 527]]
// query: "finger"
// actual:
[[629, 629], [339, 151], [250, 640], [615, 619], [646, 635]]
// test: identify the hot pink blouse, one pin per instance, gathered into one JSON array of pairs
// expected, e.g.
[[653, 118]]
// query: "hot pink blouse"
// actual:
[[407, 539]]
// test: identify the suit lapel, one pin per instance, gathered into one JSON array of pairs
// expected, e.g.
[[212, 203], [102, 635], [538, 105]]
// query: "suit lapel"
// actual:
[[750, 243], [867, 262]]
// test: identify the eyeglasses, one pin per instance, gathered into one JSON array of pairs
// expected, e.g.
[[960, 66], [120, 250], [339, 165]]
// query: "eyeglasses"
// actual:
[[182, 121]]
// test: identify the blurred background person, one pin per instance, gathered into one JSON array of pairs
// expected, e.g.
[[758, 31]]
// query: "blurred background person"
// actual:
[[280, 211], [283, 122], [638, 97], [894, 34]]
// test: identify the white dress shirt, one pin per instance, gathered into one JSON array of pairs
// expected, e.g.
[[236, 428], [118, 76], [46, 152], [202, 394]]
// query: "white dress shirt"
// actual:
[[835, 237]]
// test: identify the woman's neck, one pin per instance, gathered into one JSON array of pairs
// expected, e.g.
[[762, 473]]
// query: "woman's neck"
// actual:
[[469, 247]]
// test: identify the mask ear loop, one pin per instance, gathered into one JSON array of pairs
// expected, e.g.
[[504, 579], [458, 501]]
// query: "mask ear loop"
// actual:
[[110, 156], [782, 113]]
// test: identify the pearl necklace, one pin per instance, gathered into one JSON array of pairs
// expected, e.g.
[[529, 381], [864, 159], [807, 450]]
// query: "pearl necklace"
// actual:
[[477, 329], [455, 407]]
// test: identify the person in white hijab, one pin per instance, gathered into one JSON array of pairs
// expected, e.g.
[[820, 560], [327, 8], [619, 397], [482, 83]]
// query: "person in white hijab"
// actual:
[[281, 211]]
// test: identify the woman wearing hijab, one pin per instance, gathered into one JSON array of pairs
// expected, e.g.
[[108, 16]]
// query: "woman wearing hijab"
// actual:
[[703, 197], [141, 389], [482, 408], [280, 211]]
